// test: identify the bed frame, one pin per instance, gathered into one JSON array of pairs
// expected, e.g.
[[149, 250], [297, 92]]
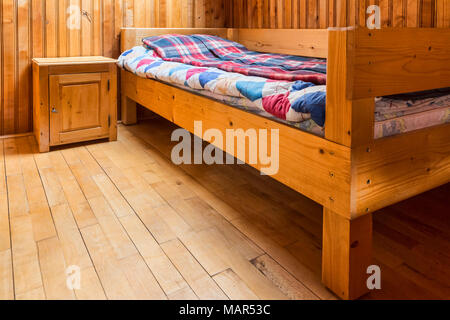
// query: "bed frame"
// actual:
[[348, 172]]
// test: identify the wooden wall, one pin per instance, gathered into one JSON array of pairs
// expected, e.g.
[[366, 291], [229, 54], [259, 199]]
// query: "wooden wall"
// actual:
[[338, 13], [39, 28]]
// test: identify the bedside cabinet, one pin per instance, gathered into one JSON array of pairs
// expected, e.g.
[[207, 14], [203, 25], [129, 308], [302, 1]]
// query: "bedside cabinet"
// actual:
[[74, 100]]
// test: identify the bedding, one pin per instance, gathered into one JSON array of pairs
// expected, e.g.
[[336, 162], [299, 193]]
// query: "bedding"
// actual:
[[286, 100], [196, 64], [214, 52]]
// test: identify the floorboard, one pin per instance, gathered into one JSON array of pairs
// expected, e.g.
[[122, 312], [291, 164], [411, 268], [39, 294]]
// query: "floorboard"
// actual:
[[139, 227]]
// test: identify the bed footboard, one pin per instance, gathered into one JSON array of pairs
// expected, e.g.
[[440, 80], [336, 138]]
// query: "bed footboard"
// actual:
[[364, 64]]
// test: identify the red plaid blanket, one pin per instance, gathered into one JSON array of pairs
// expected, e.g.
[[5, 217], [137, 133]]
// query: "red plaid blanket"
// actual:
[[215, 52]]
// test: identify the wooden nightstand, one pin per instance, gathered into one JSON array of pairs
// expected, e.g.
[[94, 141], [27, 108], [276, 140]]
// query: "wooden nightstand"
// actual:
[[74, 100]]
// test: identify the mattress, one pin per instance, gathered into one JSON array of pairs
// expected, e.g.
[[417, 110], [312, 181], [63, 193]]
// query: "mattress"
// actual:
[[295, 103]]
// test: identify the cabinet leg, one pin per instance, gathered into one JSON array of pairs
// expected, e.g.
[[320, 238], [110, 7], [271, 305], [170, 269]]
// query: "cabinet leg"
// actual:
[[347, 253], [129, 111]]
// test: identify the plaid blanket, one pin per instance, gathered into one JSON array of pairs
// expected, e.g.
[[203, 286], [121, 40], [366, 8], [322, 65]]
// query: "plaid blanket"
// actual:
[[214, 52]]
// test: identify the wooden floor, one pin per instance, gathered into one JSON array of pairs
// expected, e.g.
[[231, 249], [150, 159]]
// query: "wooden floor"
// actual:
[[141, 228]]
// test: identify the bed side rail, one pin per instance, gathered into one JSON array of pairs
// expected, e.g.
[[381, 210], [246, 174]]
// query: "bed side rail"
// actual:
[[300, 42], [363, 64]]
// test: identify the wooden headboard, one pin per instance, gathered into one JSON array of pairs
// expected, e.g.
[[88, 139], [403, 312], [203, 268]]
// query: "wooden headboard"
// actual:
[[131, 37], [302, 42]]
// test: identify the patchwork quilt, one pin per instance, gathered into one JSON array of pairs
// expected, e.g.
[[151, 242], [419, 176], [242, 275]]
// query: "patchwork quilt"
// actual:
[[286, 100]]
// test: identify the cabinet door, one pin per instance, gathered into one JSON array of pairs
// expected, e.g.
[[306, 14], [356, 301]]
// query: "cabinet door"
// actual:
[[79, 107]]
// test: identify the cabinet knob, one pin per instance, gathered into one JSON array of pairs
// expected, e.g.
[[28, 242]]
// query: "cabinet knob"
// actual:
[[54, 110]]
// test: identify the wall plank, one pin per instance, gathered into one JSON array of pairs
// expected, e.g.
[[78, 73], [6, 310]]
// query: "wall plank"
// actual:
[[331, 13], [23, 114], [443, 13], [9, 62]]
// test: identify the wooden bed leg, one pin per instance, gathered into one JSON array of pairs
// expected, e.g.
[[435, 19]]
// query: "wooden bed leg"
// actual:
[[129, 111], [347, 253]]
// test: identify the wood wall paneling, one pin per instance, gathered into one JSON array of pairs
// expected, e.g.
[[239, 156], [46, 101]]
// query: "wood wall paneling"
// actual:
[[52, 28], [338, 13], [59, 28]]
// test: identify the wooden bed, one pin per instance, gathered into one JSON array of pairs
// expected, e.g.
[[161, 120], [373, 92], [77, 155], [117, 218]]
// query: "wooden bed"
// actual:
[[348, 172]]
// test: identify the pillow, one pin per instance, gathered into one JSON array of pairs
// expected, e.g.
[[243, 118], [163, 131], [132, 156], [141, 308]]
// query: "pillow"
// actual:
[[177, 47]]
